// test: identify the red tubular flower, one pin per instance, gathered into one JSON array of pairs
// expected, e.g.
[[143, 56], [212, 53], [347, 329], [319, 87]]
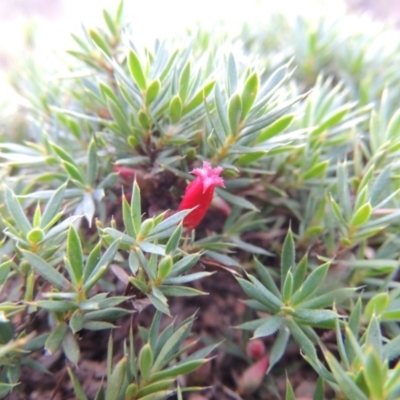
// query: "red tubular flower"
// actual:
[[199, 194]]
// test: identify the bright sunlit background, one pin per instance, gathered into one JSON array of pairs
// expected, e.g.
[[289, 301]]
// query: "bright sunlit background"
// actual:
[[54, 19], [50, 22]]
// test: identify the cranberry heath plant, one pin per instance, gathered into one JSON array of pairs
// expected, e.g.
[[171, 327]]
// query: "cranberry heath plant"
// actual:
[[160, 182]]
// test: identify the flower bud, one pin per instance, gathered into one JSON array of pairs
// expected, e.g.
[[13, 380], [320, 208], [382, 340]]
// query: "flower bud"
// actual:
[[165, 267], [255, 349], [146, 228], [253, 376]]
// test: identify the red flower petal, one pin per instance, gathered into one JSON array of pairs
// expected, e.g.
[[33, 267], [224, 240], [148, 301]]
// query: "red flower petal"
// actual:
[[199, 194]]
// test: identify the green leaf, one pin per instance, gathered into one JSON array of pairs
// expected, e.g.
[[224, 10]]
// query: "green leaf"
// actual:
[[391, 349], [37, 216], [78, 390], [71, 347], [249, 93], [184, 82], [377, 305], [289, 391], [127, 218], [311, 284], [100, 42], [142, 286], [145, 229], [111, 25], [300, 272], [374, 373], [145, 361], [74, 173], [52, 207], [75, 256], [275, 128], [91, 169], [152, 248], [252, 325], [186, 278], [17, 212], [182, 368], [362, 197], [266, 278], [279, 346], [152, 91], [236, 200], [156, 387], [392, 383], [287, 256], [136, 208], [4, 271], [102, 265], [234, 113], [56, 337], [115, 381], [232, 75], [316, 170], [379, 186], [136, 71], [393, 129], [362, 215], [144, 120], [199, 97], [184, 264], [97, 325], [6, 388], [337, 211], [346, 384], [221, 109], [328, 299], [35, 235], [373, 335], [108, 256], [76, 321], [165, 267], [156, 396], [255, 294], [343, 189], [65, 156], [108, 314], [287, 287], [170, 346], [332, 120], [92, 260], [319, 389], [118, 115], [119, 13], [160, 305], [178, 291], [265, 293], [315, 317], [56, 305], [173, 241], [133, 262], [169, 223], [131, 391], [306, 345], [46, 270], [175, 109], [269, 327]]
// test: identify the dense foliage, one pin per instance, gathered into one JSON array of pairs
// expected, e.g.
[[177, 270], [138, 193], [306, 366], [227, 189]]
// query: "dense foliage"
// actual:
[[305, 126]]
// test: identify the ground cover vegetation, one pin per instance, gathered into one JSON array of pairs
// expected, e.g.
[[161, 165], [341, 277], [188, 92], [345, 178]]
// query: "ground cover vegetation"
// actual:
[[113, 287]]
